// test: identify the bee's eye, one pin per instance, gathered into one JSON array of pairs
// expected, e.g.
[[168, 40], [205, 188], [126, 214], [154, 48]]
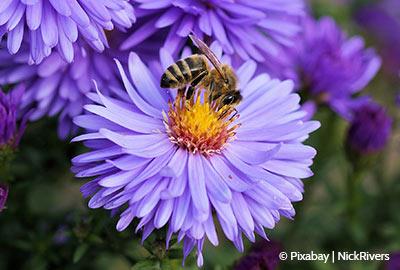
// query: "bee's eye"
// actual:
[[226, 81], [228, 100]]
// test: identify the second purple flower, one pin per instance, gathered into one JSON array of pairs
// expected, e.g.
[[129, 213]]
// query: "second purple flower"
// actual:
[[48, 24]]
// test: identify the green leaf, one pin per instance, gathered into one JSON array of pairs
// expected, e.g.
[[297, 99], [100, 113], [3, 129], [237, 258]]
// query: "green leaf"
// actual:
[[79, 252], [136, 251], [146, 265], [175, 253], [174, 264]]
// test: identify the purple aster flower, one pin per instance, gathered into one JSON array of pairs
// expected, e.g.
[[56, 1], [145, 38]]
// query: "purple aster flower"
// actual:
[[330, 67], [10, 132], [48, 24], [264, 255], [382, 20], [249, 29], [370, 129], [164, 160], [57, 87], [394, 262], [3, 196]]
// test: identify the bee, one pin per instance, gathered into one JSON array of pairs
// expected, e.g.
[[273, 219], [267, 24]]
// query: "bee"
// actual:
[[194, 71]]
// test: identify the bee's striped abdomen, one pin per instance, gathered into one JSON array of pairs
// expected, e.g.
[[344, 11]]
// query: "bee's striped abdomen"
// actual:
[[172, 77], [197, 63], [168, 80], [183, 71]]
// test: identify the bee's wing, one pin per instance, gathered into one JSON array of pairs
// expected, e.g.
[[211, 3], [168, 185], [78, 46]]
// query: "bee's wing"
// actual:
[[208, 53]]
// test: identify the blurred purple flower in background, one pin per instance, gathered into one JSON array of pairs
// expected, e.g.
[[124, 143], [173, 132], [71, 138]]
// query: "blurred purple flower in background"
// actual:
[[10, 131], [56, 87], [61, 236], [394, 262], [48, 24], [370, 129], [3, 196], [382, 20], [249, 29], [331, 67], [397, 99], [176, 164], [264, 255]]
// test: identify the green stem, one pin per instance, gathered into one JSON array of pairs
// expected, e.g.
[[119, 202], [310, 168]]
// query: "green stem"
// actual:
[[354, 195], [6, 158]]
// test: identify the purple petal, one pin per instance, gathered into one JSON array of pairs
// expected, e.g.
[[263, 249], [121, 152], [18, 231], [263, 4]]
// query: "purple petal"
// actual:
[[119, 179], [176, 187], [146, 83], [144, 188], [181, 207], [227, 219], [230, 178], [62, 7], [128, 162], [288, 168], [252, 156], [197, 186], [177, 164], [125, 220], [216, 186], [209, 228], [163, 213], [148, 203], [98, 155], [139, 123], [34, 15], [14, 39], [135, 97], [168, 18], [243, 215], [48, 30]]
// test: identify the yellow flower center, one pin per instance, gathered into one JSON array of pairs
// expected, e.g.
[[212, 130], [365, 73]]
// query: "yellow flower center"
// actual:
[[198, 125]]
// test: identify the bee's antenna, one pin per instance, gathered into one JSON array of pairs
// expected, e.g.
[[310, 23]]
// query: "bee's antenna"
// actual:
[[192, 35]]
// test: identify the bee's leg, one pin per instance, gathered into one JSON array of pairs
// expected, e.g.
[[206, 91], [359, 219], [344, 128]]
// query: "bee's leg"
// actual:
[[223, 114], [211, 95], [189, 92], [196, 81], [181, 91], [236, 112], [226, 111]]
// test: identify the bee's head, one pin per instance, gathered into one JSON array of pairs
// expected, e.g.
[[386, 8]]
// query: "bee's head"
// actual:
[[230, 79]]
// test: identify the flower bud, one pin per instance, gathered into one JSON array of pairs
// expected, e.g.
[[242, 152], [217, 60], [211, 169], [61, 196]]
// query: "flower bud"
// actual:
[[370, 129], [263, 255], [10, 132]]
